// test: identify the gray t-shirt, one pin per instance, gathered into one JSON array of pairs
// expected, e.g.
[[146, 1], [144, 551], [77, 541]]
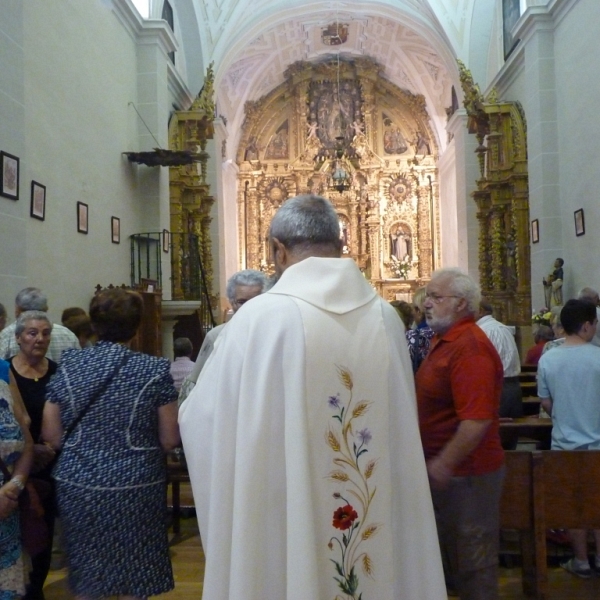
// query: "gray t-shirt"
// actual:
[[570, 376]]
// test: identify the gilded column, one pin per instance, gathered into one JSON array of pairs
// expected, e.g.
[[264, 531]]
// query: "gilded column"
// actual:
[[424, 231]]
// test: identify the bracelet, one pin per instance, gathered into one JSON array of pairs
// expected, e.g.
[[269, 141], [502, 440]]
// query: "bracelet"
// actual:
[[18, 483]]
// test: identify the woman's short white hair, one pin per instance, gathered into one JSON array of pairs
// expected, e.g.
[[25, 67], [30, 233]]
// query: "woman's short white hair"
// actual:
[[30, 315], [248, 277], [461, 285]]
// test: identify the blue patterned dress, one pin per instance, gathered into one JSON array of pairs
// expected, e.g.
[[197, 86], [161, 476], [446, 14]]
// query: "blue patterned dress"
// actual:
[[11, 446], [110, 476]]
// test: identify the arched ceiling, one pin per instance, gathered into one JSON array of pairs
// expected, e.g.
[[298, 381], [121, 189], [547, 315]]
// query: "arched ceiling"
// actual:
[[252, 42]]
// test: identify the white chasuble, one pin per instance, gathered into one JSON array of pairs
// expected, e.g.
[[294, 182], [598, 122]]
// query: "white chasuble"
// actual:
[[303, 447]]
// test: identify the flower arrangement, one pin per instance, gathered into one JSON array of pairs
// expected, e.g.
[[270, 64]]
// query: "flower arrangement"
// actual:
[[542, 317], [401, 268]]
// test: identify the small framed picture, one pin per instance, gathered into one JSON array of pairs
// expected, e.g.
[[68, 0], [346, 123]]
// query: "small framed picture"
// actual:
[[82, 217], [535, 231], [166, 240], [579, 222], [9, 182], [38, 201], [115, 230]]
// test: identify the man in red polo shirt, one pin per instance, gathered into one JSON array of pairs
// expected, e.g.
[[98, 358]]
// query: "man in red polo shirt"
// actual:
[[458, 394]]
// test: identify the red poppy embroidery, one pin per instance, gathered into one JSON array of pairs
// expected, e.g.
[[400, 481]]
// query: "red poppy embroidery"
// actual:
[[343, 517]]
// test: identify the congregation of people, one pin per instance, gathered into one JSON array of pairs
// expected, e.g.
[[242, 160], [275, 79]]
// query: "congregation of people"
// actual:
[[338, 445]]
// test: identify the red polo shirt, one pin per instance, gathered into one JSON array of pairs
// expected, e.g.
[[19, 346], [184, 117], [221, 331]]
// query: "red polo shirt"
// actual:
[[461, 379]]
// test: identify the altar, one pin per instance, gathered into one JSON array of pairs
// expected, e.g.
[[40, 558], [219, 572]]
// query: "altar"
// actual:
[[339, 129]]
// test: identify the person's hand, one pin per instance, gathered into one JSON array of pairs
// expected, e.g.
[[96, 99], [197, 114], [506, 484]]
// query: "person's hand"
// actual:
[[43, 455], [8, 500], [439, 474]]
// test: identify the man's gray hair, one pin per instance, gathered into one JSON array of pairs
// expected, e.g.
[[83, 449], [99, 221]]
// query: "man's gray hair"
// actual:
[[461, 285], [588, 293], [31, 298], [182, 346], [306, 221], [246, 277], [30, 315]]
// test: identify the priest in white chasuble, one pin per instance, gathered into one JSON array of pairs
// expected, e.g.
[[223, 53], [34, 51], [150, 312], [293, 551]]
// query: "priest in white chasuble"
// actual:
[[302, 438]]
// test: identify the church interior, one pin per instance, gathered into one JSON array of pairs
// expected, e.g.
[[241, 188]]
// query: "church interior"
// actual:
[[445, 134], [148, 143]]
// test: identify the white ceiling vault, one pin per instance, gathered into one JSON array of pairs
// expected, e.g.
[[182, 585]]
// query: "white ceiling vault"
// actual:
[[253, 42]]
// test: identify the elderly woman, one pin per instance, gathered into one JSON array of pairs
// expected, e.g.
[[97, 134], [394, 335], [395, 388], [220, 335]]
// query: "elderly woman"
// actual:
[[114, 412], [15, 455], [32, 371], [419, 339]]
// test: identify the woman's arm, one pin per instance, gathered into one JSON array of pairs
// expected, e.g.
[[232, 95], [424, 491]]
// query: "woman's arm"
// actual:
[[9, 492], [168, 428], [18, 404], [52, 429]]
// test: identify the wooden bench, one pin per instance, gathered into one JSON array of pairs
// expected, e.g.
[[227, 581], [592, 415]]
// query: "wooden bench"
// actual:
[[177, 474], [544, 490]]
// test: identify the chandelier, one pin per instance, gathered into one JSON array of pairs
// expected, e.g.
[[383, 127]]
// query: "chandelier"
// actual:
[[339, 176]]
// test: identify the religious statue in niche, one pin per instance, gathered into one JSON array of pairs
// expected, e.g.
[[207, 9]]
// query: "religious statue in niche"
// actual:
[[393, 140], [553, 285], [400, 242], [278, 144], [344, 233]]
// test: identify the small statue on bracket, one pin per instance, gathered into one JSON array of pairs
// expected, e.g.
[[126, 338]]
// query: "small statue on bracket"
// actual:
[[553, 285]]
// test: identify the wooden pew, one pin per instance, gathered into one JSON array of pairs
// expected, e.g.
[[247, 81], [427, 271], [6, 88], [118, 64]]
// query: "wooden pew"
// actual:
[[177, 474], [516, 511], [566, 494], [543, 490]]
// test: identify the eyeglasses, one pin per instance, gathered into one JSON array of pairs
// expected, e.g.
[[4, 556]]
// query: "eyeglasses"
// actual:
[[436, 298], [241, 301]]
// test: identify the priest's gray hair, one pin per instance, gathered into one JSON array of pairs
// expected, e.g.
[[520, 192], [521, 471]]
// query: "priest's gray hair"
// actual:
[[31, 298], [30, 315], [461, 285], [246, 277], [306, 221]]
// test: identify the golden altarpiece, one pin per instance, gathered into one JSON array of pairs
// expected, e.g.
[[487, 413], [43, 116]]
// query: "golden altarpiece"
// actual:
[[339, 129], [190, 199], [502, 198]]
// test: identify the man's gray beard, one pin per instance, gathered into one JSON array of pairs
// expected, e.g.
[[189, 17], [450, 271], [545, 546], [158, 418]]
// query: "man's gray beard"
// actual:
[[441, 324]]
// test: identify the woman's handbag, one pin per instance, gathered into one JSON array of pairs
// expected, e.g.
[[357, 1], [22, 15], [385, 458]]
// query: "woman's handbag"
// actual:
[[34, 530]]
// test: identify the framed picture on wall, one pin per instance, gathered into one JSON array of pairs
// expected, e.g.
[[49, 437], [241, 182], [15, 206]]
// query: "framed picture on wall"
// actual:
[[82, 217], [579, 222], [115, 230], [166, 240], [511, 11], [38, 201], [535, 231], [9, 181]]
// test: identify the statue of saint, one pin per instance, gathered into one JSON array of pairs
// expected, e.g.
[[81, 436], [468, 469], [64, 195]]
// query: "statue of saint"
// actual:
[[553, 285]]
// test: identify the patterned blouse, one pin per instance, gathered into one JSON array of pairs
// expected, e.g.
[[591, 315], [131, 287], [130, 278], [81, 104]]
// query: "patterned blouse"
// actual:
[[116, 443], [418, 345]]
